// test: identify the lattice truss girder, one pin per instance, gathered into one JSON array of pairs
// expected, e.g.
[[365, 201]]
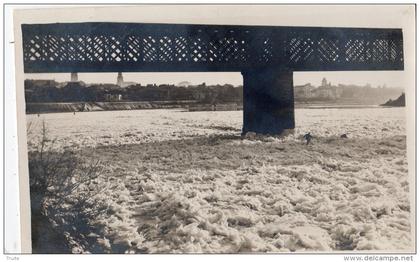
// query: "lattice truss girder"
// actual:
[[135, 48], [213, 45]]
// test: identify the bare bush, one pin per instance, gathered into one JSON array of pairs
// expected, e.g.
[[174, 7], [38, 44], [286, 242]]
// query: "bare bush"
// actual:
[[63, 185], [57, 174]]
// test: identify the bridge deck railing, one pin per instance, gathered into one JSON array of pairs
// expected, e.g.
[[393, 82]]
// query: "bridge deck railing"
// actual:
[[119, 47]]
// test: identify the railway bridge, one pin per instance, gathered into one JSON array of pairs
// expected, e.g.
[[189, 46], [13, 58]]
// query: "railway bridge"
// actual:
[[266, 56]]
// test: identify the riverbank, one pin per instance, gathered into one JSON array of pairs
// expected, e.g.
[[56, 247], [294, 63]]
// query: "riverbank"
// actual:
[[38, 108], [189, 105]]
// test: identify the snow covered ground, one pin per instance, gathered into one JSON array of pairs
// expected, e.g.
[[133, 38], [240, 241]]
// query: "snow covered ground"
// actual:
[[179, 181]]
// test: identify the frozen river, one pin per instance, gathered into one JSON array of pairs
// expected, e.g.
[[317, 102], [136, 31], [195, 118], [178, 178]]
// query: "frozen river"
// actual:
[[126, 127], [178, 181]]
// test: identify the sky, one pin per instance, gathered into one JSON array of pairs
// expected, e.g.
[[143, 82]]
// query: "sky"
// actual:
[[374, 78]]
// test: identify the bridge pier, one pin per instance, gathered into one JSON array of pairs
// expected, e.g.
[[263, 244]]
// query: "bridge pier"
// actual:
[[268, 101]]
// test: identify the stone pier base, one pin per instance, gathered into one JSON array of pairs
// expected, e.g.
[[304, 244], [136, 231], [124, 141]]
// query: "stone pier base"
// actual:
[[268, 101]]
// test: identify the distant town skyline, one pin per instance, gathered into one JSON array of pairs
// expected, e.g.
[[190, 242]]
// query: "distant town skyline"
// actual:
[[379, 78]]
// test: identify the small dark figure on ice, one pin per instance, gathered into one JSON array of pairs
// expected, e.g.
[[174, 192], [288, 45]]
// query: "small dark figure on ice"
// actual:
[[344, 136], [308, 138]]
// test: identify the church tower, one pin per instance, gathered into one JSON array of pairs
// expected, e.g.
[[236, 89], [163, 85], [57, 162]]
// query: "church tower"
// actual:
[[74, 77], [120, 79], [324, 82]]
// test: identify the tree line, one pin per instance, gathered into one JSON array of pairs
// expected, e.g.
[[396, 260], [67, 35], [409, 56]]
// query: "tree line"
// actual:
[[49, 91]]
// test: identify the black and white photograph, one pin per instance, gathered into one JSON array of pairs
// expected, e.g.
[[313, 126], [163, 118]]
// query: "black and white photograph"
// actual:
[[217, 129]]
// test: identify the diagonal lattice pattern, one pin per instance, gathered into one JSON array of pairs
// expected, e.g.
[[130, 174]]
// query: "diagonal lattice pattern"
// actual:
[[300, 49], [157, 47], [357, 50], [328, 50]]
